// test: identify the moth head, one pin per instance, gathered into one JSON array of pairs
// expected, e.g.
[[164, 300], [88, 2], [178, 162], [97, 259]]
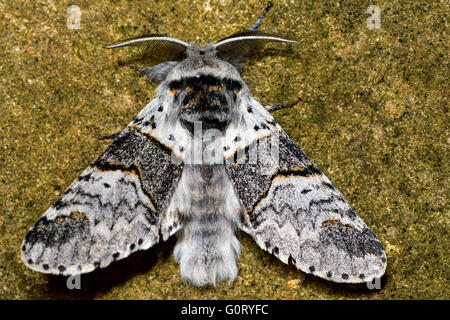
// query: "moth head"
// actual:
[[194, 51]]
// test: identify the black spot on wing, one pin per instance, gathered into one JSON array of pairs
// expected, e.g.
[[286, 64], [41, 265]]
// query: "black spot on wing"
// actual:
[[291, 260], [59, 204], [328, 185], [85, 177], [275, 251], [137, 120]]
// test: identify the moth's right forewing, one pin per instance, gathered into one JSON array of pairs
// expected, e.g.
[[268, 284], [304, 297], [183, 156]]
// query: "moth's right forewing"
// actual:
[[293, 211]]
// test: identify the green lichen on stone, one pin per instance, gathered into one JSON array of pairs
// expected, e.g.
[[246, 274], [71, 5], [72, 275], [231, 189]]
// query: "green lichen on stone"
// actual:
[[374, 118]]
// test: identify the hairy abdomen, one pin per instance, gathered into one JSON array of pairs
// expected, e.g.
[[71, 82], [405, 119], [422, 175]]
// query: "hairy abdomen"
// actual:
[[206, 246]]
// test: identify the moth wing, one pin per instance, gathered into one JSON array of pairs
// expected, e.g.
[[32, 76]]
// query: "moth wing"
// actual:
[[293, 211], [118, 205]]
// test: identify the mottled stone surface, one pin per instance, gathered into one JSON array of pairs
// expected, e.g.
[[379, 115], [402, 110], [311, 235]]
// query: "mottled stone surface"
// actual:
[[374, 118]]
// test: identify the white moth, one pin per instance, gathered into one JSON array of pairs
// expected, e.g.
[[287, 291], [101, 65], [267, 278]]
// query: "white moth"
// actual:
[[202, 160]]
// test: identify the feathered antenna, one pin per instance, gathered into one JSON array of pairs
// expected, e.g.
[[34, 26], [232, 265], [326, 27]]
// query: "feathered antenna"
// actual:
[[156, 45], [247, 42]]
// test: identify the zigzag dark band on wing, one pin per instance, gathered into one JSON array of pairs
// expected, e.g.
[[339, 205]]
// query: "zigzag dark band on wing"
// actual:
[[156, 171], [61, 204], [104, 166], [252, 187], [296, 214], [113, 209], [256, 190]]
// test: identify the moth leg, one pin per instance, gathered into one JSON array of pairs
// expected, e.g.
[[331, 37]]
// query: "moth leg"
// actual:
[[156, 73], [282, 106], [111, 136], [258, 21]]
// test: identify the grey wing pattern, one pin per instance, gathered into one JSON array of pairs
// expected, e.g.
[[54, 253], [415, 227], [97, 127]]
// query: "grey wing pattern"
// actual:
[[115, 207], [295, 213]]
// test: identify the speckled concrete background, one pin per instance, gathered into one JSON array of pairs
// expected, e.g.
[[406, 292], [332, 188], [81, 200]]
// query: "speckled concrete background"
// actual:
[[374, 119]]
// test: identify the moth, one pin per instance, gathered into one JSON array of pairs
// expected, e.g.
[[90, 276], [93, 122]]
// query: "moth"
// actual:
[[201, 161]]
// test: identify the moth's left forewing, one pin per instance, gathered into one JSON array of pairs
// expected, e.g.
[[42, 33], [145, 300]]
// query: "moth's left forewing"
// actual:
[[120, 204], [293, 211]]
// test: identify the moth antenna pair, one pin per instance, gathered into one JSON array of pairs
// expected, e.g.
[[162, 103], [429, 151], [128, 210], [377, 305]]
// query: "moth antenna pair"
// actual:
[[240, 44]]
